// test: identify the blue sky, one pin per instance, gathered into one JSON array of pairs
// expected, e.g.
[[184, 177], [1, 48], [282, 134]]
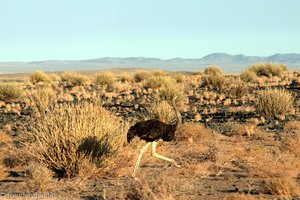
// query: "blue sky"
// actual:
[[76, 29]]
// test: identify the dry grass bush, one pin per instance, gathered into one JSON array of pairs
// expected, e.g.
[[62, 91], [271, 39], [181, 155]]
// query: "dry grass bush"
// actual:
[[74, 78], [104, 79], [42, 98], [40, 178], [241, 89], [75, 139], [272, 102], [264, 163], [162, 111], [197, 73], [213, 81], [10, 91], [242, 197], [125, 78], [154, 190], [290, 140], [141, 76], [284, 187], [180, 78], [172, 89], [248, 76], [38, 77], [192, 132], [213, 70], [156, 82], [159, 73], [4, 140], [268, 69], [54, 77], [121, 87]]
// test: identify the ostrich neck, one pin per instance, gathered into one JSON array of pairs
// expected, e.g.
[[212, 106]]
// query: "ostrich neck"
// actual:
[[178, 115]]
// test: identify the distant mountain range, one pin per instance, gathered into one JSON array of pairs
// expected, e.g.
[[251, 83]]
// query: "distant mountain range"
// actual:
[[229, 63]]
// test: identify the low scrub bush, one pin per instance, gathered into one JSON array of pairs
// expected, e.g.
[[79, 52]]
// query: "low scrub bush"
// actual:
[[180, 78], [38, 77], [54, 77], [10, 91], [283, 187], [74, 78], [104, 79], [169, 91], [158, 81], [248, 76], [241, 89], [200, 72], [213, 81], [268, 69], [141, 76], [125, 78], [213, 70], [72, 139], [159, 73], [162, 111], [272, 102]]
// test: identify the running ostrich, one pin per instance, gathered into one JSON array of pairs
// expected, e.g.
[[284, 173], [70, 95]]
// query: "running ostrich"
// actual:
[[153, 131]]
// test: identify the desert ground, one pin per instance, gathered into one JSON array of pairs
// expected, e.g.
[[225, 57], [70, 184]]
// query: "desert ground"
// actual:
[[63, 135]]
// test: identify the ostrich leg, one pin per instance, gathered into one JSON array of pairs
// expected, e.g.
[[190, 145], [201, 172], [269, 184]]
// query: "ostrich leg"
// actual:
[[156, 155], [143, 149]]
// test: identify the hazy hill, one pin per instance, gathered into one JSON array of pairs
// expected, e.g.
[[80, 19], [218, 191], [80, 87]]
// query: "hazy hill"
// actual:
[[229, 63]]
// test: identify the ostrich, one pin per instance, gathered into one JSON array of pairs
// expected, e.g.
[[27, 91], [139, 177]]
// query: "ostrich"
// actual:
[[153, 131]]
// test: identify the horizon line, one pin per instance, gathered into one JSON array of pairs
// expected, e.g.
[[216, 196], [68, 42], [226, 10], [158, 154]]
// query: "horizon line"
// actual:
[[123, 57]]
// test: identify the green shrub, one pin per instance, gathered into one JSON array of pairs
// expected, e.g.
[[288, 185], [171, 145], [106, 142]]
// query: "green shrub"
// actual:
[[268, 69], [71, 139], [74, 78], [105, 78], [39, 76], [272, 102], [10, 91], [213, 70]]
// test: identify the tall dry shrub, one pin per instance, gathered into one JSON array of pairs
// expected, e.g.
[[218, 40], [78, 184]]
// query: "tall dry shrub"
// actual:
[[104, 79], [171, 89], [213, 81], [268, 69], [157, 81], [141, 76], [42, 98], [272, 102], [248, 76], [74, 78], [10, 91], [213, 70], [162, 111], [39, 76], [75, 139]]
